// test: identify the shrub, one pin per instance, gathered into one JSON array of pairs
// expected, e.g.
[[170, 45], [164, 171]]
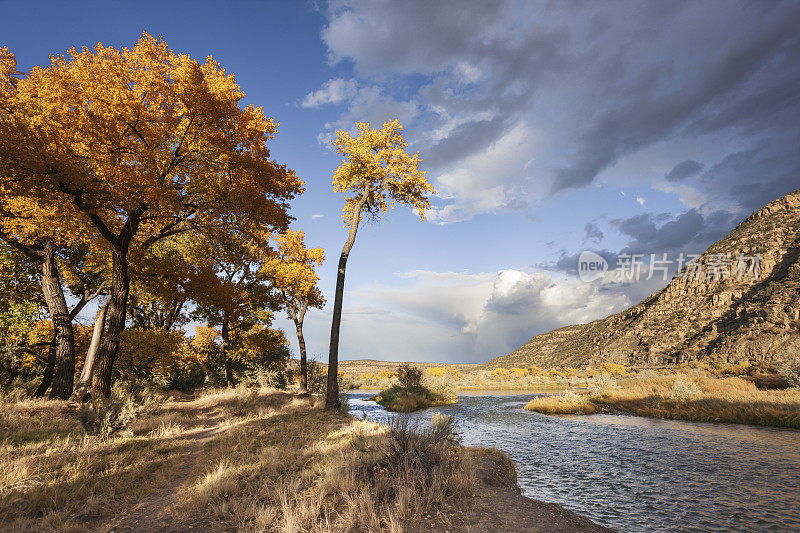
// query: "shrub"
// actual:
[[317, 378], [500, 373], [262, 378], [647, 374], [109, 416], [603, 384], [790, 370], [186, 377], [571, 396], [569, 402], [684, 390], [613, 369], [400, 399], [410, 377]]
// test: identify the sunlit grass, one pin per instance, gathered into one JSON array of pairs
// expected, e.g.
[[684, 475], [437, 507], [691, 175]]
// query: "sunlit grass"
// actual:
[[697, 398], [265, 461], [567, 403]]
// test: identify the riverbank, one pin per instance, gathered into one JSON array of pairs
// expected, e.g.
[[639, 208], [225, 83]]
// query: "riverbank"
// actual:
[[250, 461], [697, 398]]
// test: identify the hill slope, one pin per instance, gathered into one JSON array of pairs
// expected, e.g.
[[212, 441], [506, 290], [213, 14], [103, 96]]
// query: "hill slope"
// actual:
[[706, 317]]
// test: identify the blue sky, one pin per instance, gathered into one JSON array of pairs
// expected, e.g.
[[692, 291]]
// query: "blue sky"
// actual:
[[547, 128]]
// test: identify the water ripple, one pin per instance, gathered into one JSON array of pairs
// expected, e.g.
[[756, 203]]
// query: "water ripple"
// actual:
[[637, 474]]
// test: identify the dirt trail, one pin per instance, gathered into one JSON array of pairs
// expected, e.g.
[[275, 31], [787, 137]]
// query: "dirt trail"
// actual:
[[148, 515]]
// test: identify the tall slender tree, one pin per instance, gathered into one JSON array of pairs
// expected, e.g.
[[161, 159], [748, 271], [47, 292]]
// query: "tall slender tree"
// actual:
[[376, 173], [292, 272]]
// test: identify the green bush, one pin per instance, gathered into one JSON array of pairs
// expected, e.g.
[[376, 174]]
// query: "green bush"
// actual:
[[317, 378]]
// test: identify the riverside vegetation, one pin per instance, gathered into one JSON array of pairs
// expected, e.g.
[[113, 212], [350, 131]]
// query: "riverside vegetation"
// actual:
[[412, 393], [695, 393]]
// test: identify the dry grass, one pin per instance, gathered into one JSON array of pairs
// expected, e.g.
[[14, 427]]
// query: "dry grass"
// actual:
[[267, 461], [566, 403], [730, 400], [316, 471]]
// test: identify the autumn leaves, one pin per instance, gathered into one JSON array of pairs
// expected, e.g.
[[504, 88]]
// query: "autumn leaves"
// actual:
[[147, 160]]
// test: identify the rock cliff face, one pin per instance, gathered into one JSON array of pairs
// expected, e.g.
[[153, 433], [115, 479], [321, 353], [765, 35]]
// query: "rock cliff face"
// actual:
[[719, 309]]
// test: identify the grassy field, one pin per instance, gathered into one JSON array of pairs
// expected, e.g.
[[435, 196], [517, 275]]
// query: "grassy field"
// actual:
[[381, 375], [697, 397], [238, 460]]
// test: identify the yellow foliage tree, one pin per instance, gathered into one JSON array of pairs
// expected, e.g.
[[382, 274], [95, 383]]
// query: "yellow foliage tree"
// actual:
[[231, 293], [292, 272], [375, 174], [144, 143]]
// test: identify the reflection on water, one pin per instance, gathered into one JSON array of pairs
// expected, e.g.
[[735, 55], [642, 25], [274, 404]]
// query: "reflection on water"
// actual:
[[637, 474]]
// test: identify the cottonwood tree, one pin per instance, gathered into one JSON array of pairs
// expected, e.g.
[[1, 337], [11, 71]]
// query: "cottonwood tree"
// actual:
[[233, 295], [164, 280], [376, 173], [144, 143], [31, 228], [292, 272]]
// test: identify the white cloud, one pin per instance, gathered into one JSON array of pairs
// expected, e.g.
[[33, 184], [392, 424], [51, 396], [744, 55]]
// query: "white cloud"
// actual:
[[333, 91], [455, 316], [370, 104], [317, 217], [486, 181]]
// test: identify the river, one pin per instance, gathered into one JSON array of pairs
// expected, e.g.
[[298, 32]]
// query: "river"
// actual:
[[632, 473]]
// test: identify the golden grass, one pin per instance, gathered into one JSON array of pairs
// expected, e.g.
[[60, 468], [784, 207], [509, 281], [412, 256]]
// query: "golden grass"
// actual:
[[226, 460], [729, 400], [312, 470], [564, 404]]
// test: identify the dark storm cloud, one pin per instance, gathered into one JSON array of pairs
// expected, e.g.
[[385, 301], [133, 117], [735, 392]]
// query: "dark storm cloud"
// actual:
[[645, 117], [690, 232], [755, 176], [568, 262], [596, 82], [683, 170]]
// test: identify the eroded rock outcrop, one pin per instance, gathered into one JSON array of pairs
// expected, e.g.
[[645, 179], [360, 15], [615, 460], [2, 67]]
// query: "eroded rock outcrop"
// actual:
[[730, 313]]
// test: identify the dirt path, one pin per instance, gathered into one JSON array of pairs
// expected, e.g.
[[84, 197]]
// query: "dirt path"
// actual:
[[148, 515]]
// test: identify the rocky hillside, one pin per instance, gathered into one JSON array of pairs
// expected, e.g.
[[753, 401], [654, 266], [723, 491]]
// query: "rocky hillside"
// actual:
[[712, 315]]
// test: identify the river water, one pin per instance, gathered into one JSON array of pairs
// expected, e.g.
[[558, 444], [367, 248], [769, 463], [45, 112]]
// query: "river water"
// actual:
[[635, 474]]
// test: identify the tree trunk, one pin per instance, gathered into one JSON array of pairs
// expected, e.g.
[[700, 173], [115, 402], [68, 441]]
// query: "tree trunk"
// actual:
[[91, 355], [224, 351], [332, 400], [47, 378], [303, 362], [120, 287], [64, 360]]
